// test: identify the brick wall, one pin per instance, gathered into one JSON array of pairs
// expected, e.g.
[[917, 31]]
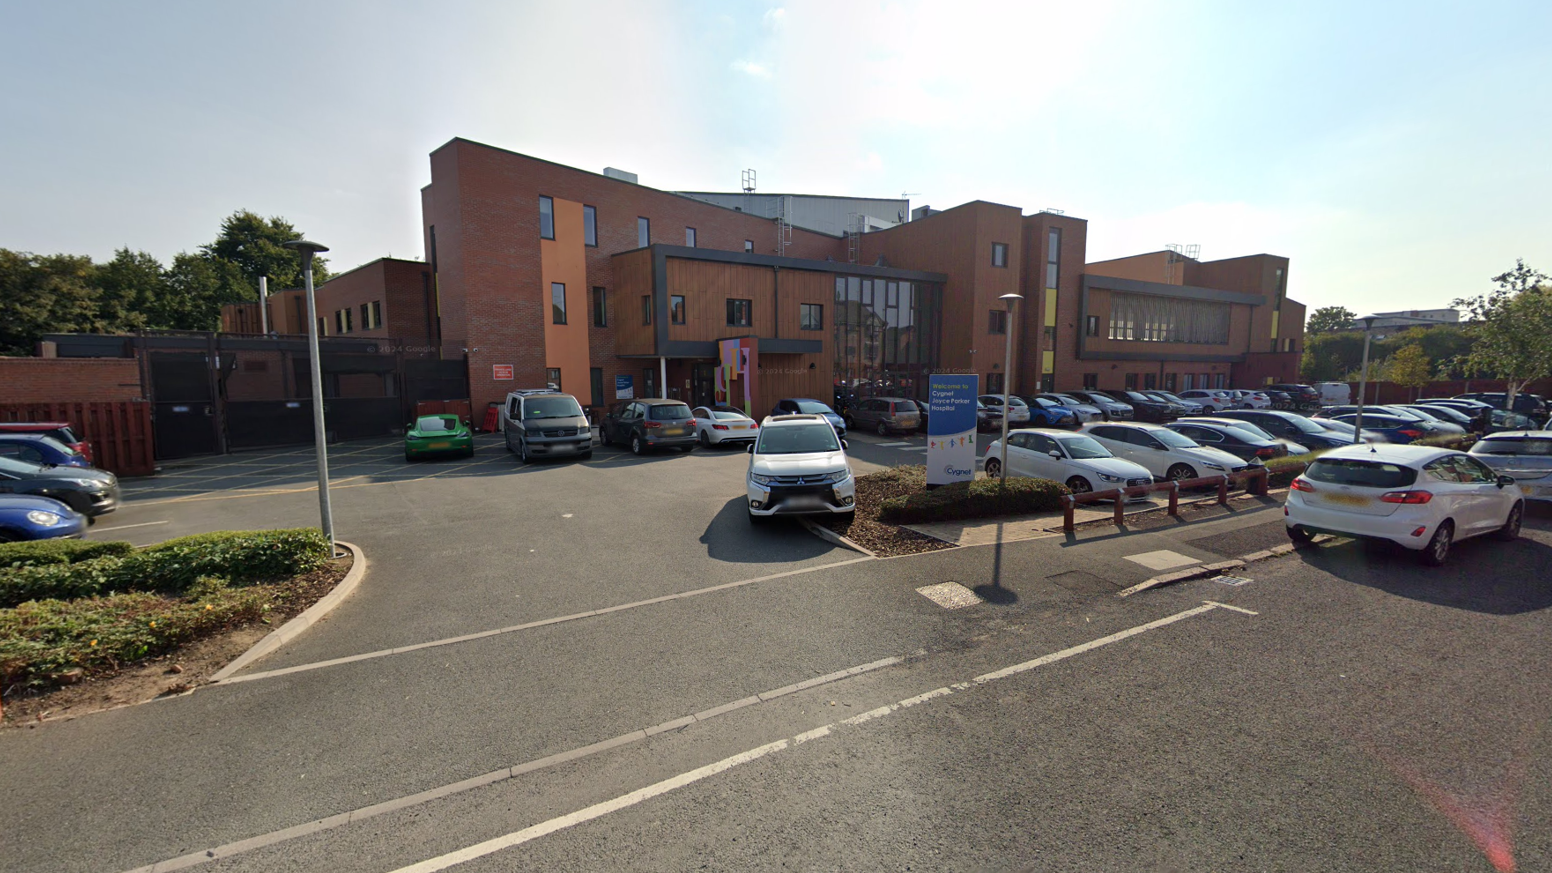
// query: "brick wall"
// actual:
[[61, 380], [398, 286]]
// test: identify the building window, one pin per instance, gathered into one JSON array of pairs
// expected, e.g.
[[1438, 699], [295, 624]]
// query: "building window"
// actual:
[[1092, 326], [811, 316], [547, 217], [643, 233], [589, 226], [689, 237], [1131, 381], [1150, 381], [1220, 380], [1050, 337], [676, 309], [749, 246], [558, 302], [377, 313], [993, 383], [600, 308], [323, 326], [342, 321], [1169, 381], [1091, 381], [1188, 381], [739, 312], [997, 321], [552, 376], [646, 309], [1287, 343], [595, 379], [366, 317], [999, 254], [1053, 250], [1151, 318], [1201, 381]]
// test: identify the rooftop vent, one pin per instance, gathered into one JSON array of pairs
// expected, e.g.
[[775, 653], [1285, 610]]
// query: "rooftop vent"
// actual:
[[623, 176]]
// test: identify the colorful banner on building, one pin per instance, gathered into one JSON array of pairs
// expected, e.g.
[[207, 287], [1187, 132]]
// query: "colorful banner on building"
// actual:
[[737, 360], [951, 428]]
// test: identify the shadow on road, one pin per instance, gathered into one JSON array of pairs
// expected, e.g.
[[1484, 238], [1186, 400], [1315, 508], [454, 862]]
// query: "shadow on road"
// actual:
[[1481, 575], [731, 538]]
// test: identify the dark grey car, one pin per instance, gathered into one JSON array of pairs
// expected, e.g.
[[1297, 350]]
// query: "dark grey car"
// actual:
[[546, 425], [884, 415], [652, 423], [87, 490]]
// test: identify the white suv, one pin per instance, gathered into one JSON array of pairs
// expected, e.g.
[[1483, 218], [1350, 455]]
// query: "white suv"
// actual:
[[798, 467]]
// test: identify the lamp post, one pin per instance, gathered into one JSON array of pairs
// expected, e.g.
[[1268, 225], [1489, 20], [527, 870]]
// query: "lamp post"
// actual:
[[1363, 378], [263, 296], [1007, 381], [307, 250]]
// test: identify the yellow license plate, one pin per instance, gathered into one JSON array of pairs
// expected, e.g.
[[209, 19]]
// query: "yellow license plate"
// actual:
[[673, 431], [439, 445], [1348, 499]]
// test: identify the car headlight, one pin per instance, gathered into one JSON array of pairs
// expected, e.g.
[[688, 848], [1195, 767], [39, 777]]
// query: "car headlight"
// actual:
[[1211, 466], [87, 483], [759, 479], [41, 517], [837, 476], [1109, 478]]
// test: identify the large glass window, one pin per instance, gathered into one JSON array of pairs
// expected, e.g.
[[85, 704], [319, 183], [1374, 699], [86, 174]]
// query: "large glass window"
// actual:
[[1053, 253], [811, 316], [589, 226], [558, 302], [689, 237], [999, 254], [1150, 318], [643, 233], [885, 338], [546, 217]]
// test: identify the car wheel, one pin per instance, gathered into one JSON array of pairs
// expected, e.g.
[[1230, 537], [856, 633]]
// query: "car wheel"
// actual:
[[993, 468], [1180, 472], [1511, 529], [603, 437], [705, 440], [1438, 548], [1079, 485], [1300, 536], [637, 447], [883, 429], [849, 421]]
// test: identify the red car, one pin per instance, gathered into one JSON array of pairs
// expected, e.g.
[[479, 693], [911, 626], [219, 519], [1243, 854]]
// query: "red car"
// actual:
[[59, 430]]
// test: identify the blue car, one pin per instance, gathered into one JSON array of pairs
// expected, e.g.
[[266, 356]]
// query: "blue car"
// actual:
[[1045, 412], [1393, 428], [809, 406], [25, 517], [39, 449]]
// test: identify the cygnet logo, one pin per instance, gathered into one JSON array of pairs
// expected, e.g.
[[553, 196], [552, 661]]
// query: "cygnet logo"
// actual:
[[951, 470]]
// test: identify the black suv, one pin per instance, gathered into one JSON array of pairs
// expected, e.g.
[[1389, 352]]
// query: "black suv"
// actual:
[[1146, 407], [1303, 396], [1525, 404]]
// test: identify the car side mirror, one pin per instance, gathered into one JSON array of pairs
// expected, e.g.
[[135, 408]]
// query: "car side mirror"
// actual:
[[1505, 480], [844, 446], [750, 449], [1055, 454]]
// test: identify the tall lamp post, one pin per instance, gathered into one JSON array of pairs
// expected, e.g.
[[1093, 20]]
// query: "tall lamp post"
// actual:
[[307, 250], [1363, 378], [1007, 381]]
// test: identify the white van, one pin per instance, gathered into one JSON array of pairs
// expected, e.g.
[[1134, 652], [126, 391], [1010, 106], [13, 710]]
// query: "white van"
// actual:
[[1334, 393]]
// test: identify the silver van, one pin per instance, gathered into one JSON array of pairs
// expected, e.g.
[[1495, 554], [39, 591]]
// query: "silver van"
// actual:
[[546, 424]]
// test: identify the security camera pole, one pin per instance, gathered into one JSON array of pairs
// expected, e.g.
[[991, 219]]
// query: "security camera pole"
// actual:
[[307, 250], [1011, 333]]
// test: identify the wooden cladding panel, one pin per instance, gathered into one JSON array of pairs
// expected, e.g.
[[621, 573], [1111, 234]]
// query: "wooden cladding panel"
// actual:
[[632, 281], [707, 286], [803, 286], [782, 376]]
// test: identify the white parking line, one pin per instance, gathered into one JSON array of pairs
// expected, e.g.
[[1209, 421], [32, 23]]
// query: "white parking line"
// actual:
[[886, 445], [126, 526]]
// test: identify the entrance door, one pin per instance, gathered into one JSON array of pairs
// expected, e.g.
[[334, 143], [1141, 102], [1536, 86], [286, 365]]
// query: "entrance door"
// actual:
[[184, 414], [702, 381]]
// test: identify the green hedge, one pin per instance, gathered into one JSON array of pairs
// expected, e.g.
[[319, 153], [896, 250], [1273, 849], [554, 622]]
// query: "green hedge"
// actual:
[[241, 557], [39, 552], [980, 498]]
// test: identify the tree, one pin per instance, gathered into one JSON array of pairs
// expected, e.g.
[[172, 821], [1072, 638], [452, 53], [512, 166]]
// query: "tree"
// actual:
[[1511, 327], [256, 247], [196, 289], [1330, 318], [44, 294], [131, 288], [1410, 368]]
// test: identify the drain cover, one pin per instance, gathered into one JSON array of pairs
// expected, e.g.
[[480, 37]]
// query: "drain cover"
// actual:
[[1079, 582], [950, 595], [1233, 580]]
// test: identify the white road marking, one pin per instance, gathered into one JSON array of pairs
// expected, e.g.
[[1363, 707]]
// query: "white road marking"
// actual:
[[883, 445], [1235, 608], [479, 635], [126, 526], [624, 801], [1163, 559]]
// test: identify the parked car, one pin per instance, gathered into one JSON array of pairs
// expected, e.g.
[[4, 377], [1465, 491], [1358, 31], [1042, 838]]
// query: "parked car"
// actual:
[[59, 430], [884, 415], [1392, 428], [1146, 408], [807, 406], [1045, 412], [715, 425], [1299, 396], [39, 449], [25, 517], [1017, 413], [1164, 453], [1525, 404], [1181, 405], [1429, 425], [1451, 414], [1255, 400], [1114, 408], [1086, 412], [798, 466], [1074, 459], [437, 435], [1500, 421], [921, 422], [1423, 498], [1290, 447], [548, 424], [1210, 400], [653, 423], [1525, 455], [87, 490], [986, 418], [1289, 426], [1346, 431], [1236, 441], [1467, 406], [1334, 393], [1281, 400]]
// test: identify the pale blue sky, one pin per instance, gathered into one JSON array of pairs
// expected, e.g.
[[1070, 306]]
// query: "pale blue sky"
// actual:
[[1397, 152]]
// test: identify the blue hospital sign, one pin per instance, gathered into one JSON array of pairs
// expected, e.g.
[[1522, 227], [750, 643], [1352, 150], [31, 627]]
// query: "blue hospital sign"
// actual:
[[951, 428], [624, 387]]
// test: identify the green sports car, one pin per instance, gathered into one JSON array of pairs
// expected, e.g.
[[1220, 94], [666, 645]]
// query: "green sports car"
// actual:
[[438, 434]]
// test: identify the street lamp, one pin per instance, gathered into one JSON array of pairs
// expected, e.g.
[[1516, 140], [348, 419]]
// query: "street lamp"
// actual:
[[1363, 378], [307, 250], [1007, 381]]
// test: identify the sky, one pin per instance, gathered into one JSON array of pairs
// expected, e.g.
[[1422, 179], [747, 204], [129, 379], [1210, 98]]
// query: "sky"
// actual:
[[1397, 153]]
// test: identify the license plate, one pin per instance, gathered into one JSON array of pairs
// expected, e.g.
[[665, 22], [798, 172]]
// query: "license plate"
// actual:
[[1348, 499], [740, 427], [673, 431], [804, 501], [439, 445]]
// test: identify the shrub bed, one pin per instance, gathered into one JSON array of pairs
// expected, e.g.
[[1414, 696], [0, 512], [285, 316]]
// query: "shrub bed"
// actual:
[[39, 552], [979, 498]]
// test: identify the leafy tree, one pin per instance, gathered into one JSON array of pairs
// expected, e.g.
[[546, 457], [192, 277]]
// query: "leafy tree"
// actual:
[[1410, 368], [256, 247], [1512, 329], [196, 288], [1330, 318], [43, 294], [131, 288]]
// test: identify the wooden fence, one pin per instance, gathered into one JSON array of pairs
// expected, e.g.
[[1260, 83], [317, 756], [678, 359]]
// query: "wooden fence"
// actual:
[[119, 431]]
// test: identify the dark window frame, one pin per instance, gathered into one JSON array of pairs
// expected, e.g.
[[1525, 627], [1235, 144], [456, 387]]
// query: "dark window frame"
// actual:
[[558, 311], [676, 309], [999, 248], [1090, 381], [1053, 254], [643, 231], [1092, 327], [806, 323], [748, 246], [590, 227], [552, 377], [997, 322], [600, 306], [546, 200], [689, 237], [733, 308], [377, 314], [646, 309]]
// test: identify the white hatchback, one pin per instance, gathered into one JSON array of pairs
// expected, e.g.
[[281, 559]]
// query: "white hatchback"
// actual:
[[1075, 460], [1162, 452], [1421, 497]]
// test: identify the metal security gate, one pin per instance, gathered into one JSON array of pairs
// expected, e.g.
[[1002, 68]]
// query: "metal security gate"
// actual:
[[184, 416]]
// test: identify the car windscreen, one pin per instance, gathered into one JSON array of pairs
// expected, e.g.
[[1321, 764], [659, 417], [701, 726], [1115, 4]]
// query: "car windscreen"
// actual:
[[1251, 429], [797, 439], [669, 412], [1513, 446], [1367, 474], [1082, 448], [1174, 440], [435, 423], [17, 467], [812, 407], [1303, 424], [727, 416], [553, 407]]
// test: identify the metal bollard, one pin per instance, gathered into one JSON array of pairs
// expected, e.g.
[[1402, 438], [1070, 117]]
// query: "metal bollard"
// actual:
[[1223, 490], [1067, 506], [1120, 507], [1174, 498]]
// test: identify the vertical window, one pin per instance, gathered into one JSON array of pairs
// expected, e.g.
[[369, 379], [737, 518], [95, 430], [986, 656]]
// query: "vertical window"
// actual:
[[552, 376], [1053, 249], [993, 383], [1201, 381], [1092, 327], [811, 316], [643, 233], [366, 317], [1169, 381], [749, 245], [589, 226], [676, 309], [377, 313], [649, 381], [546, 218], [1091, 381], [1131, 381], [323, 326], [1150, 381], [689, 237], [558, 302], [1220, 380], [600, 308], [999, 254], [997, 321], [646, 309], [1050, 337], [595, 380], [1188, 381], [739, 312]]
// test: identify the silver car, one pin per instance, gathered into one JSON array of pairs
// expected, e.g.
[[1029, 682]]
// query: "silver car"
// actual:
[[798, 467], [1524, 454], [884, 415]]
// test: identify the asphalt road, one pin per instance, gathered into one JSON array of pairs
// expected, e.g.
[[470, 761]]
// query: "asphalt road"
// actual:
[[1369, 715]]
